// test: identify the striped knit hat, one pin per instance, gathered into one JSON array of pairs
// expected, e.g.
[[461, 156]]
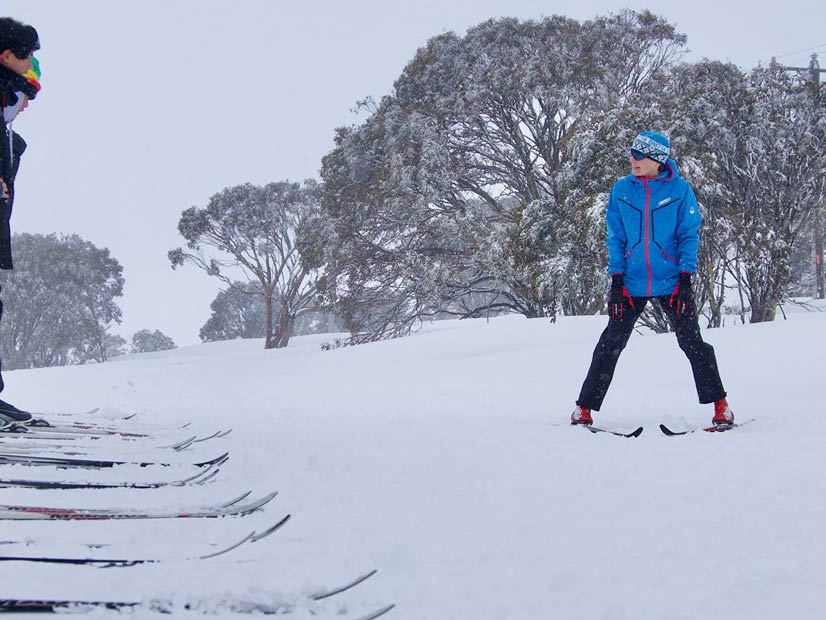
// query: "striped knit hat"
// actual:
[[653, 145], [33, 76]]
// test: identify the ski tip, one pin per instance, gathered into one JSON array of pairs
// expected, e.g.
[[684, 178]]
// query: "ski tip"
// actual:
[[256, 537], [180, 445], [216, 461], [252, 506], [207, 438], [237, 499], [235, 545], [328, 593], [378, 613], [595, 429], [669, 433], [207, 476]]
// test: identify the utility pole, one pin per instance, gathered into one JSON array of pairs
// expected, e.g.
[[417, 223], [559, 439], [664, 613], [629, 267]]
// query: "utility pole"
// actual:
[[814, 71]]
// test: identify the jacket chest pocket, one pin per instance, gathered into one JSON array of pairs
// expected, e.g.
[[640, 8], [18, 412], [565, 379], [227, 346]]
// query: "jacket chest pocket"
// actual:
[[664, 227], [633, 219]]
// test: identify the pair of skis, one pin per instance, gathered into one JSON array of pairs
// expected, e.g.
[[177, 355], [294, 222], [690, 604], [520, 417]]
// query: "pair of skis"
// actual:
[[16, 430], [231, 508], [717, 428], [163, 607], [169, 607], [61, 462], [109, 562], [206, 474]]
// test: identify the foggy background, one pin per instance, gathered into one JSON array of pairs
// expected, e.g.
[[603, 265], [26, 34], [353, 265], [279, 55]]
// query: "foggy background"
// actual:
[[151, 107]]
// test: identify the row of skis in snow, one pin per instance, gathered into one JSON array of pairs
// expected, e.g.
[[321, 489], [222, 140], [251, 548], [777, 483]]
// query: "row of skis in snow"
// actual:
[[67, 448]]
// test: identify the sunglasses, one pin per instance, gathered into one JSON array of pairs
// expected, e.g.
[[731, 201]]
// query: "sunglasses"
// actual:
[[637, 155]]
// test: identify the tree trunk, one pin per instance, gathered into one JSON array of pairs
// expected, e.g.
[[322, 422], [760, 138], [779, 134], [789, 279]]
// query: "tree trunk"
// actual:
[[268, 339], [286, 324]]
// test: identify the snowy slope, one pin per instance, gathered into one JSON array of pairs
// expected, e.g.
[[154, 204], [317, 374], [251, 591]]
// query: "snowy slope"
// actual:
[[445, 460]]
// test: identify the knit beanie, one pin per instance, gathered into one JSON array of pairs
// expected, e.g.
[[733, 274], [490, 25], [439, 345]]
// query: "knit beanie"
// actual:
[[33, 77], [653, 145]]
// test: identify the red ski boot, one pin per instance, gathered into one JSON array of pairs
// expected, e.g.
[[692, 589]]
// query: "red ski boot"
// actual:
[[723, 415], [581, 415]]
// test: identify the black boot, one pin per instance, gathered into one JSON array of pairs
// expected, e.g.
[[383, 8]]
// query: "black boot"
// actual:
[[11, 413]]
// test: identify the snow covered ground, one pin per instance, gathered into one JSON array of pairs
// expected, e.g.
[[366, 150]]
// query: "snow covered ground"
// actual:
[[445, 461]]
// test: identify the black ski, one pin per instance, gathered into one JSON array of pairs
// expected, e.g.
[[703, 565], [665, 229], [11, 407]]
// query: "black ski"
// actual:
[[41, 425], [24, 459], [595, 429], [161, 606], [57, 606], [24, 436], [164, 607], [669, 433], [70, 413], [318, 596], [109, 563], [201, 477], [717, 428], [232, 508]]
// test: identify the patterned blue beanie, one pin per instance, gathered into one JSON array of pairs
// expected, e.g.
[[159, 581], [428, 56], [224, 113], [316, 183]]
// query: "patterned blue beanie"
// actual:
[[653, 145]]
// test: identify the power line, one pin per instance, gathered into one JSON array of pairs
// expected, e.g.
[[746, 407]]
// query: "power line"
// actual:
[[803, 59], [817, 47]]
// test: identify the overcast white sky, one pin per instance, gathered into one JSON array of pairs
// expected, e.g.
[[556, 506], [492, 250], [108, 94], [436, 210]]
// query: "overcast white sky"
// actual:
[[151, 107]]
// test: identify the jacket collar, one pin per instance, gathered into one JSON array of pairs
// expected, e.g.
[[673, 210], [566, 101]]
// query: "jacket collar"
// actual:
[[666, 175], [11, 83]]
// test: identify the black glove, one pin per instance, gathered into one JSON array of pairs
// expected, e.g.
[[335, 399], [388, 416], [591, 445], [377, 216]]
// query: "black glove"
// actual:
[[618, 298], [682, 299]]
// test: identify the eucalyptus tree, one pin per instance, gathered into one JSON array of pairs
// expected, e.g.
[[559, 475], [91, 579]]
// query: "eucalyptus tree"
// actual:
[[479, 176], [253, 230], [60, 303], [146, 341], [755, 149], [237, 312]]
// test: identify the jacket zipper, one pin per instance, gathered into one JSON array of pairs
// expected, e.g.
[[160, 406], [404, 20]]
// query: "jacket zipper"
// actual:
[[647, 257]]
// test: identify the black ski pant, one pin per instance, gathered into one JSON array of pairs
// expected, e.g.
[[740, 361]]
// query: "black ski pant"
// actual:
[[613, 340], [1, 362]]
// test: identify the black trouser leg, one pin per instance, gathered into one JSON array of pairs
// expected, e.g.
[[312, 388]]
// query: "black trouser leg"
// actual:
[[607, 352], [1, 362], [700, 354]]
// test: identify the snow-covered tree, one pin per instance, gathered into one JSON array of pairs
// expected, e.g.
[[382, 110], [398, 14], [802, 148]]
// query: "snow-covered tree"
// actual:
[[467, 181], [111, 346], [62, 295], [755, 150], [237, 312], [253, 230], [146, 341]]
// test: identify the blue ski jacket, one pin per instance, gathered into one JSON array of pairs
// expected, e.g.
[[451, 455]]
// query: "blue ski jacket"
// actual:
[[652, 232]]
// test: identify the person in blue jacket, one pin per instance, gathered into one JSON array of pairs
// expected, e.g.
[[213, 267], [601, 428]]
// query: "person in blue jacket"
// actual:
[[653, 222]]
